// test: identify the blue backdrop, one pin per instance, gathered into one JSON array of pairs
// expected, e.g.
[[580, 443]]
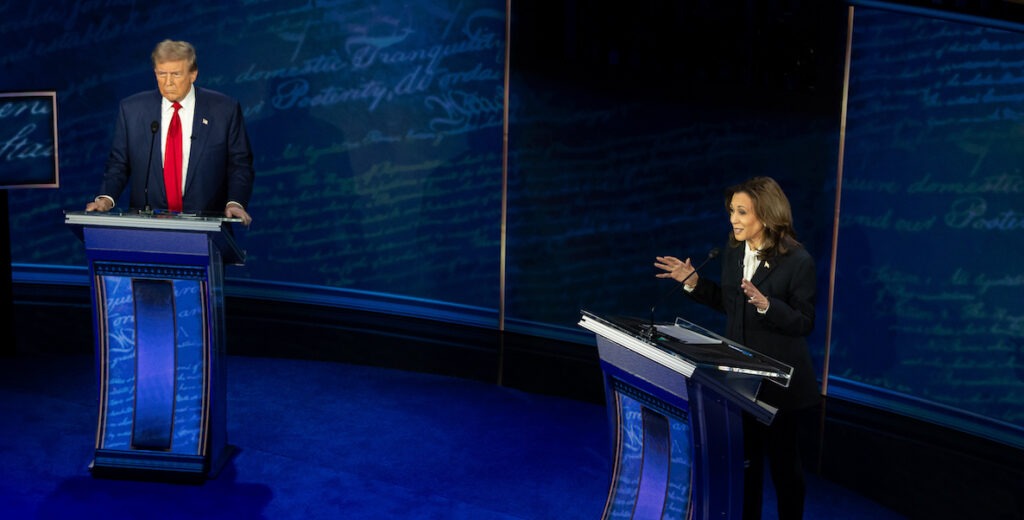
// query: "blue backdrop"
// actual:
[[928, 284], [377, 129]]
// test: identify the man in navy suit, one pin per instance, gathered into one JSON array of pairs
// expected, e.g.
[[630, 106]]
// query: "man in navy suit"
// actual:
[[189, 139]]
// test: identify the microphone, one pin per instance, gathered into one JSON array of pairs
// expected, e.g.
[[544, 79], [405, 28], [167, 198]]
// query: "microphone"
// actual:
[[711, 254], [153, 128]]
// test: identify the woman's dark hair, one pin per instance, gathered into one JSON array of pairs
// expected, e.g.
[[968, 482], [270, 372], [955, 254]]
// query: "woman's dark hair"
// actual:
[[772, 208]]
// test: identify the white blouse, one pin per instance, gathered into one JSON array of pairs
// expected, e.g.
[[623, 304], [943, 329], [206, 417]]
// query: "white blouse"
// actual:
[[750, 261]]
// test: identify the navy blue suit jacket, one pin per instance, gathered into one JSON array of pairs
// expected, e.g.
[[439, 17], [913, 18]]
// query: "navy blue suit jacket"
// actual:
[[220, 161], [788, 281]]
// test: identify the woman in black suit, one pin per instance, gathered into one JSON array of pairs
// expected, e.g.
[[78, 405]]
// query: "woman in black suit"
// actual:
[[767, 293]]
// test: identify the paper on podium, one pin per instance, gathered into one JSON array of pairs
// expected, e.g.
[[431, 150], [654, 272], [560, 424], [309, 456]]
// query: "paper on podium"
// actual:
[[686, 335]]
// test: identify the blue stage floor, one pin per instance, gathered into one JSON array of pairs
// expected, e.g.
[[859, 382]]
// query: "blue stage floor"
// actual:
[[328, 440]]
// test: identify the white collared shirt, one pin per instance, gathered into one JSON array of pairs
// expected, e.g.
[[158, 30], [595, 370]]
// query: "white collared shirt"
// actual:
[[186, 114], [750, 261]]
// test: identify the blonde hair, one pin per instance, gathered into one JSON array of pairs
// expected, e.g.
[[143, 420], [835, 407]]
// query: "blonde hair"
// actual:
[[170, 50]]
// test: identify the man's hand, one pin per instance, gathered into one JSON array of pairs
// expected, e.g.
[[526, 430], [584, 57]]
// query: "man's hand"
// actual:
[[235, 210], [103, 204]]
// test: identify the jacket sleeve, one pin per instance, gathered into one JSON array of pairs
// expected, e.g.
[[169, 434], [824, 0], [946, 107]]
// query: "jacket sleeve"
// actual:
[[709, 293], [118, 168], [240, 174]]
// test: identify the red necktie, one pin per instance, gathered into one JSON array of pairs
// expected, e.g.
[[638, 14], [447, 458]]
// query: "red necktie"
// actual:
[[172, 162]]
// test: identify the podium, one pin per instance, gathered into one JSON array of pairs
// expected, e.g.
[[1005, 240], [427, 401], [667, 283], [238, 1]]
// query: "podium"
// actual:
[[158, 317], [675, 395]]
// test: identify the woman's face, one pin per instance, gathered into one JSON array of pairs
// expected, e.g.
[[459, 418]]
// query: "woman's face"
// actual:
[[746, 227]]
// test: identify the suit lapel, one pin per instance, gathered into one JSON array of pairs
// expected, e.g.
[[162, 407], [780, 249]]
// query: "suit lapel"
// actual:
[[200, 124], [156, 159], [733, 264], [764, 270]]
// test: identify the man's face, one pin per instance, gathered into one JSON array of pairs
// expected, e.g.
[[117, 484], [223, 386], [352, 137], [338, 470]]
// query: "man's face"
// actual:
[[174, 79]]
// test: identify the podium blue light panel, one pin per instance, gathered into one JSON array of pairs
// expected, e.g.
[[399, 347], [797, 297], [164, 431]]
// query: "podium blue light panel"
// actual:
[[157, 290], [675, 396]]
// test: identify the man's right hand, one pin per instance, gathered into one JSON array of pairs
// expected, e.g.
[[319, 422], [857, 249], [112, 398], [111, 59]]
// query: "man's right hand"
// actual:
[[103, 204]]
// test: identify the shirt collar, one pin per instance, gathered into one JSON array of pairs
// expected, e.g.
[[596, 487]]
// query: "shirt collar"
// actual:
[[749, 250], [188, 101]]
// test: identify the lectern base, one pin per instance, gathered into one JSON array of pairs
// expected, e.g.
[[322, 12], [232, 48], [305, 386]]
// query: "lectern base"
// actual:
[[157, 466]]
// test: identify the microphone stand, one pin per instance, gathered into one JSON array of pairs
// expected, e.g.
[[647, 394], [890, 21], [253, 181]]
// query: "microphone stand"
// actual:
[[711, 254], [153, 127]]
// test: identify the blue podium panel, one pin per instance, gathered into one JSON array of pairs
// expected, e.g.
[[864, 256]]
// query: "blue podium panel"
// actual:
[[655, 456], [154, 364], [675, 412], [160, 345], [150, 358]]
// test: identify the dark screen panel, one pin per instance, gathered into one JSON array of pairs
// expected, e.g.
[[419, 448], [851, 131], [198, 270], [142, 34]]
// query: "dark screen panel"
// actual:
[[28, 140], [628, 125], [625, 182]]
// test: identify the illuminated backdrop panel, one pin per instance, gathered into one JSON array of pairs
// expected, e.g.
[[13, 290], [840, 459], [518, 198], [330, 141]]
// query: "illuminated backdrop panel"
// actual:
[[376, 128], [928, 316]]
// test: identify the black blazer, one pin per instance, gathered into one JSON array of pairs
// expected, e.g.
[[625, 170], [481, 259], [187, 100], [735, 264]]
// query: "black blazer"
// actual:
[[788, 281], [219, 165]]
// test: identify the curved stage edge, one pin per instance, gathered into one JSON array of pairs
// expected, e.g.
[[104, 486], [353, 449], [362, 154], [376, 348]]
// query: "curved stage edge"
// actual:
[[903, 463]]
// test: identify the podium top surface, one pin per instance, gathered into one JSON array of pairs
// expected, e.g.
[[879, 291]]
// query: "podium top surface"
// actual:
[[690, 345], [155, 220], [145, 232]]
